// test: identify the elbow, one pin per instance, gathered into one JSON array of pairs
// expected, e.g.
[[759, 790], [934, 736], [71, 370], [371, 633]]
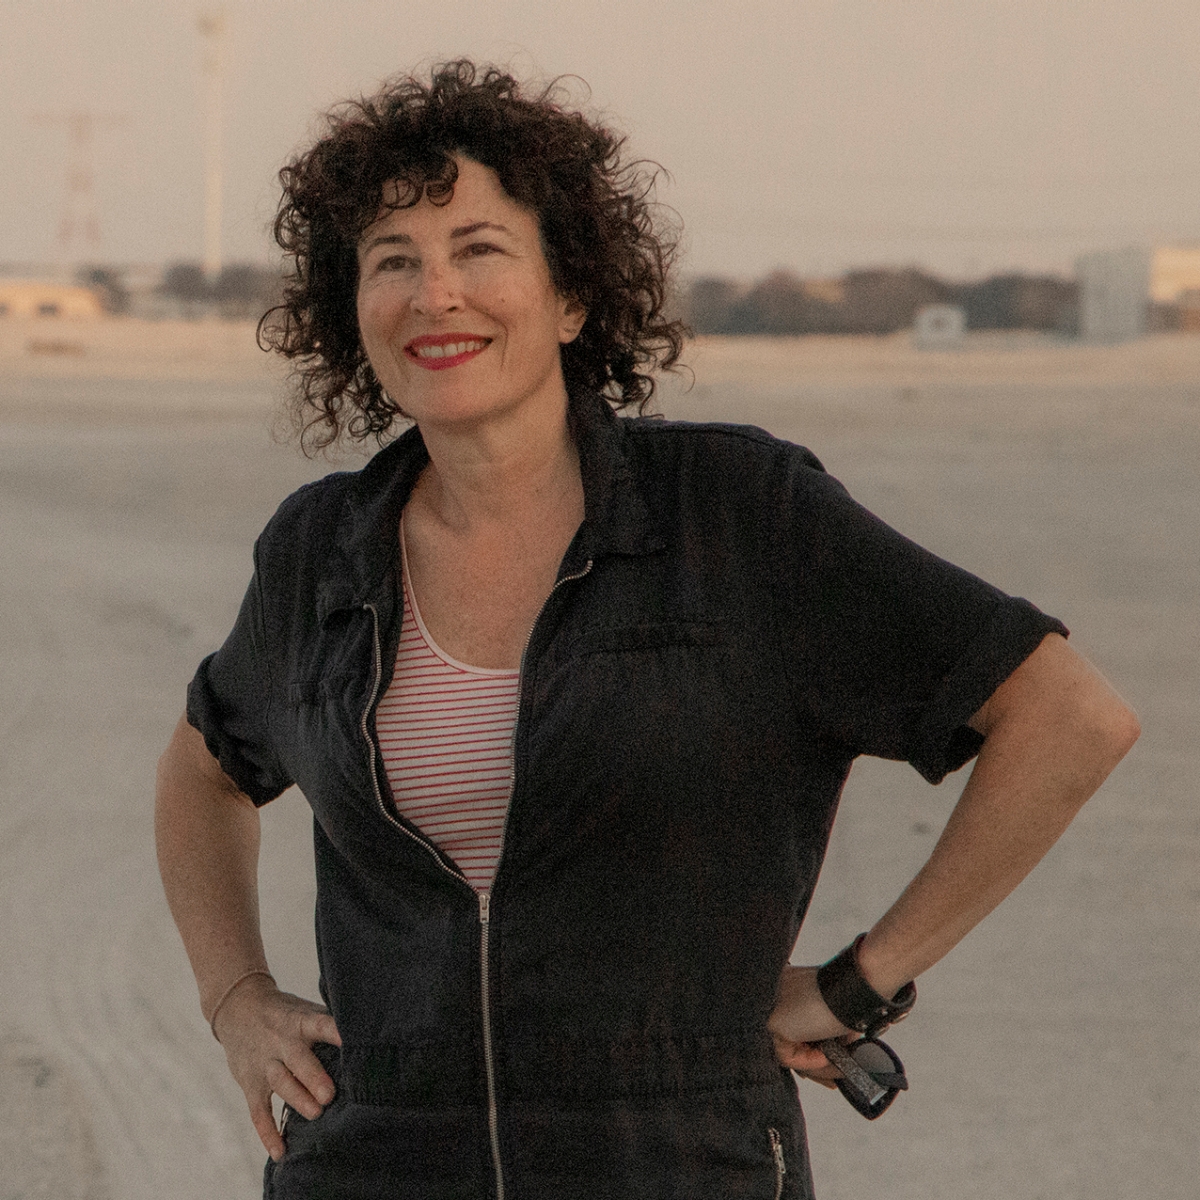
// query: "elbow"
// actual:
[[1105, 726], [1123, 730], [1105, 732], [1058, 716]]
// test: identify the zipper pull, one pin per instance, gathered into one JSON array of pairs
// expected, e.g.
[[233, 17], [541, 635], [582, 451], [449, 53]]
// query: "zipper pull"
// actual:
[[485, 906], [780, 1165]]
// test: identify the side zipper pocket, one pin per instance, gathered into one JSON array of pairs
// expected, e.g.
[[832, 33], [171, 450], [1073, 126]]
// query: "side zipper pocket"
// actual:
[[780, 1165]]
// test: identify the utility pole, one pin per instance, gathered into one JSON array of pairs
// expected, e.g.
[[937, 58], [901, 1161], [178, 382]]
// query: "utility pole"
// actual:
[[79, 225], [212, 26]]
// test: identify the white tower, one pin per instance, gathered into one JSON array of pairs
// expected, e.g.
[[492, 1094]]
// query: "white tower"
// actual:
[[212, 26]]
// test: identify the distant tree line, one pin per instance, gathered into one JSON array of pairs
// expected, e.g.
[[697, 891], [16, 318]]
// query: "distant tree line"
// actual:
[[241, 290], [877, 301], [874, 301]]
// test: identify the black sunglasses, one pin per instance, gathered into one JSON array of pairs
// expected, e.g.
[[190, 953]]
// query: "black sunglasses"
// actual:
[[872, 1075]]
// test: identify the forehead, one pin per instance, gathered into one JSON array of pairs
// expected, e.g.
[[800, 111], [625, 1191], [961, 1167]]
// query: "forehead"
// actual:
[[477, 196]]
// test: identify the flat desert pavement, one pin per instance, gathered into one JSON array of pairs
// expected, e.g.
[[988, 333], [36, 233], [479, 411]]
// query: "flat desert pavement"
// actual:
[[1052, 1055]]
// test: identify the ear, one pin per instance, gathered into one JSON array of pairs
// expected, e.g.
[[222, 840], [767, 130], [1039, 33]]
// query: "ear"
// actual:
[[572, 316]]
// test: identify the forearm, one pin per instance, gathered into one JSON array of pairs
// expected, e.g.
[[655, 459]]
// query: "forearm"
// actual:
[[207, 834], [1052, 735]]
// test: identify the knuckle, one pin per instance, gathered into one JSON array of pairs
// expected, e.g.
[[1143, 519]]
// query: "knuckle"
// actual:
[[316, 1022], [276, 1074], [306, 1067]]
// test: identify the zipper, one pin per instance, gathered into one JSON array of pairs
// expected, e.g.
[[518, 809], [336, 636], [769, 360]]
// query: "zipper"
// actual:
[[484, 897], [489, 1060], [372, 755], [780, 1165]]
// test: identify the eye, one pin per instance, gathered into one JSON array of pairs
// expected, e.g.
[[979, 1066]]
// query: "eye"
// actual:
[[394, 262], [479, 249]]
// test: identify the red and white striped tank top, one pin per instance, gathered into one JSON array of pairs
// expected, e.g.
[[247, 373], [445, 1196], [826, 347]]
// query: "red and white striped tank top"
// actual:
[[445, 732]]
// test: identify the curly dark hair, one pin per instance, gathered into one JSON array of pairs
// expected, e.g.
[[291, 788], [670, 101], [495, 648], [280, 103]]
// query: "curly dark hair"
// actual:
[[602, 242]]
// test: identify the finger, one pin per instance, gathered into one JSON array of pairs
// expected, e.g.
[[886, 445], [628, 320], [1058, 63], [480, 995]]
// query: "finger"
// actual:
[[264, 1125], [307, 1068], [825, 1083], [320, 1027], [292, 1092], [801, 1056]]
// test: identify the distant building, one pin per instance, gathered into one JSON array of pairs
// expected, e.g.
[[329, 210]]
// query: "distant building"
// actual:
[[1114, 295], [1174, 274], [1175, 284], [33, 298]]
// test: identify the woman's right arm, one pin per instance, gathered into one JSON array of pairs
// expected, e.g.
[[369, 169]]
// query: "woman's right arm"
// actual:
[[207, 833]]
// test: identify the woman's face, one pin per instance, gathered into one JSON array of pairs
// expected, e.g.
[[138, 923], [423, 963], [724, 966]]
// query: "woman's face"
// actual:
[[456, 309]]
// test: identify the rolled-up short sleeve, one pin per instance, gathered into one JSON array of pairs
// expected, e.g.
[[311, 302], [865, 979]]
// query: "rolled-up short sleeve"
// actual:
[[894, 648], [229, 703]]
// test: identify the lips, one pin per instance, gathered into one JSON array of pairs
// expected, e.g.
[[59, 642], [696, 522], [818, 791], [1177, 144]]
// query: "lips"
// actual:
[[440, 351]]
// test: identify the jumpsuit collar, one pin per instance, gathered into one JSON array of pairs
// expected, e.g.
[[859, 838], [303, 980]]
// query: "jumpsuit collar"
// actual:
[[617, 519]]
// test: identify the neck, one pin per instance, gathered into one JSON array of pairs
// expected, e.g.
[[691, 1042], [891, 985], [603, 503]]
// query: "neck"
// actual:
[[500, 472]]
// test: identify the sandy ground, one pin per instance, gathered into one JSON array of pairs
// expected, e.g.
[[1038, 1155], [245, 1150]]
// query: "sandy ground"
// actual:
[[209, 350], [214, 351], [1053, 1055]]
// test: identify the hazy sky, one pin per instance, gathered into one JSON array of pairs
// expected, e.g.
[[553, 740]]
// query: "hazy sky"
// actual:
[[966, 135]]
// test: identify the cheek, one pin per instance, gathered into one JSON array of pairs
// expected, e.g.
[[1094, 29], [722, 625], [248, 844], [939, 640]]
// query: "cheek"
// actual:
[[377, 314], [365, 306]]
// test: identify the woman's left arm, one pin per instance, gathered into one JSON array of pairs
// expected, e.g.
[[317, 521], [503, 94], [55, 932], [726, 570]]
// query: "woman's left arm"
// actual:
[[1052, 732]]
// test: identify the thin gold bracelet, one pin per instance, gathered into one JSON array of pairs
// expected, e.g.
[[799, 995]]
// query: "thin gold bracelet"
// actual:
[[212, 1021]]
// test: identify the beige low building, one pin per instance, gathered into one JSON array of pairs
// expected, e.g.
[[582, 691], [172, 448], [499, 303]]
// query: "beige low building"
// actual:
[[1175, 282], [33, 298], [1175, 275]]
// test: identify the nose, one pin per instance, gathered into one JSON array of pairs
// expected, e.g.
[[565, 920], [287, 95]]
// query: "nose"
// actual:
[[437, 290]]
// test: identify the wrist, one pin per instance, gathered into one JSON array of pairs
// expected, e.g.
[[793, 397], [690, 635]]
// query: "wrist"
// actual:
[[879, 969], [853, 999], [237, 984]]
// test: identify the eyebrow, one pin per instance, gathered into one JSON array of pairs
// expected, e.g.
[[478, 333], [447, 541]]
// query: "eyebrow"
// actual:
[[402, 239]]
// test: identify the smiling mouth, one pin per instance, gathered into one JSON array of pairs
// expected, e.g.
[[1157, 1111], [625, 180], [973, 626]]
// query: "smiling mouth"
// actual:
[[438, 353]]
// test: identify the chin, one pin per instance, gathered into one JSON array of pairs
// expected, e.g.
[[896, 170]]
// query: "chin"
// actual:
[[458, 411], [468, 405]]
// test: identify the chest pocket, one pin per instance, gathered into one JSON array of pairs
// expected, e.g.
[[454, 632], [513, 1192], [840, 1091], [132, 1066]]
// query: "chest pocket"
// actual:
[[624, 639], [346, 690]]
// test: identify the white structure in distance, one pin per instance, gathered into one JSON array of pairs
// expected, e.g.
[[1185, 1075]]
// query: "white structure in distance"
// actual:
[[939, 327], [212, 27], [1114, 295]]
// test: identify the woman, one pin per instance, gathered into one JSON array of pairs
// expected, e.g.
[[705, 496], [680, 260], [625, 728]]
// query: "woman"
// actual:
[[572, 699]]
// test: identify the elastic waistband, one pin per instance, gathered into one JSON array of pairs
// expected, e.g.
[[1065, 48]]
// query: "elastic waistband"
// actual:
[[639, 1065], [591, 1073]]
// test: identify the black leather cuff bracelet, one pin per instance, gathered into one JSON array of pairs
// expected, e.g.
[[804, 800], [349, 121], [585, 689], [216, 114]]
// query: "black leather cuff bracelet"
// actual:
[[854, 1001]]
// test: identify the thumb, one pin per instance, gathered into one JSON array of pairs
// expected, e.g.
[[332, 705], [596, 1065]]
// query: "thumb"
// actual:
[[800, 1056]]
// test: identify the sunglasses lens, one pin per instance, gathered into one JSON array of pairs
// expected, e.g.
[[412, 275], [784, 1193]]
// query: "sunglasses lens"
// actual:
[[873, 1058]]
